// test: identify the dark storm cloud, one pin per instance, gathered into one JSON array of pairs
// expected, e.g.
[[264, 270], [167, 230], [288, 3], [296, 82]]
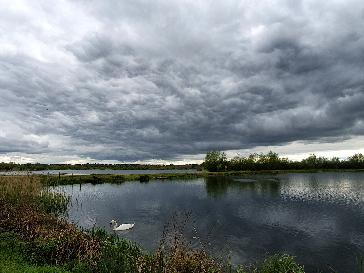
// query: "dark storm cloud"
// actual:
[[165, 79]]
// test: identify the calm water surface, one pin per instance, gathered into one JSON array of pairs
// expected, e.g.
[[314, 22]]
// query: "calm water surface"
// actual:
[[318, 217]]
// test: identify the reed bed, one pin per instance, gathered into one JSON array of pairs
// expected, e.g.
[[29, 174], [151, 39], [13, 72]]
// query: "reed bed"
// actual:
[[19, 188], [30, 211]]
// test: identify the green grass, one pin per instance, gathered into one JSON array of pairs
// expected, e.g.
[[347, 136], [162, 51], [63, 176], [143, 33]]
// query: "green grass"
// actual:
[[280, 264], [275, 264], [53, 202], [55, 180], [13, 260]]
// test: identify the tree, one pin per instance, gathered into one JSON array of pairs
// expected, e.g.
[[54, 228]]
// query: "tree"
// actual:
[[356, 161], [215, 161]]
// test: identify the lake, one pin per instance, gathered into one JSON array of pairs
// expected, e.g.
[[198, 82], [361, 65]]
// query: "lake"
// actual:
[[317, 217]]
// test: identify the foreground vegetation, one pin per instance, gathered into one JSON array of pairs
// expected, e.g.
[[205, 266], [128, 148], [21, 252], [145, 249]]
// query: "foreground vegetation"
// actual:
[[35, 239], [216, 161], [13, 260]]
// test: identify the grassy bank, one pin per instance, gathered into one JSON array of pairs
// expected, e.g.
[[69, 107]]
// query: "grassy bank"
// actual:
[[53, 180], [41, 241], [13, 259]]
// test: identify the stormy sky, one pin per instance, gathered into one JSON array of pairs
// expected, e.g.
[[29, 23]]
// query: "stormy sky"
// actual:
[[140, 80]]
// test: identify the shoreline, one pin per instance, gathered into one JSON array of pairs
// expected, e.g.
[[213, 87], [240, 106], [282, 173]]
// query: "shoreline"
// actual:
[[66, 179]]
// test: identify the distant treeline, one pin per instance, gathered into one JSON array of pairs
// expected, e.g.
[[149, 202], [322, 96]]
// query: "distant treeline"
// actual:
[[40, 167], [216, 161]]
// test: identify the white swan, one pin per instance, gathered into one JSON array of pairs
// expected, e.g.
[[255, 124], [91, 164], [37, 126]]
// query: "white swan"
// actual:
[[115, 226]]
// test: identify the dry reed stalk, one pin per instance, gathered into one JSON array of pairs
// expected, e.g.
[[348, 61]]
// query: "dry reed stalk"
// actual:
[[22, 213]]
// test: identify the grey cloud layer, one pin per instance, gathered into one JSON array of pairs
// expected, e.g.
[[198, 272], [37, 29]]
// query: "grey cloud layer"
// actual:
[[164, 79]]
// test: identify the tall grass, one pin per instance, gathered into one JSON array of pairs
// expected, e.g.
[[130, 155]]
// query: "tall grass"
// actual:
[[30, 190], [19, 188], [31, 211]]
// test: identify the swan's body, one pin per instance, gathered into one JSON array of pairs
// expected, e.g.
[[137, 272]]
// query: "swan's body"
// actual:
[[121, 227]]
